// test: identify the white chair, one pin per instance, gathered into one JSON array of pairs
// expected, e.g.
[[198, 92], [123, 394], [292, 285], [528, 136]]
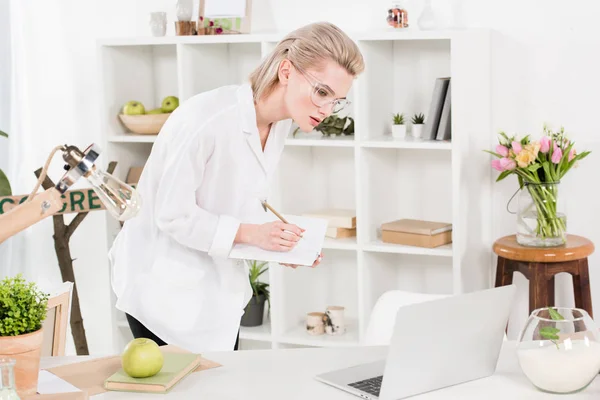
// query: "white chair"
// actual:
[[383, 316], [57, 320]]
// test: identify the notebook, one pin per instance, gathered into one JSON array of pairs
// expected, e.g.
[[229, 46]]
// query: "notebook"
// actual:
[[306, 251], [176, 366]]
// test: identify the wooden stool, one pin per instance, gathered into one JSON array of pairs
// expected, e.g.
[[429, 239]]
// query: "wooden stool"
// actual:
[[540, 264]]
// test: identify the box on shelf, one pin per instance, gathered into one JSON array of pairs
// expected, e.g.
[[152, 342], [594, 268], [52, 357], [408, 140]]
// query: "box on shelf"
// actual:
[[341, 222], [418, 233]]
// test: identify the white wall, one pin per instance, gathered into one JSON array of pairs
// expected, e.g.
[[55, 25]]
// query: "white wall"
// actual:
[[544, 71]]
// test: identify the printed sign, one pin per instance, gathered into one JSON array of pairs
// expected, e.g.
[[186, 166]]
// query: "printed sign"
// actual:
[[74, 201]]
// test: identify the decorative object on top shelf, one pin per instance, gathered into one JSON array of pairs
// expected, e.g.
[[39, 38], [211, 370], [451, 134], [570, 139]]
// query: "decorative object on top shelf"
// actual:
[[418, 120], [185, 28], [419, 233], [253, 314], [5, 189], [397, 16], [539, 166], [398, 126], [315, 323], [217, 17], [135, 117], [158, 23], [184, 10], [427, 20], [24, 309], [559, 349], [335, 323], [333, 125]]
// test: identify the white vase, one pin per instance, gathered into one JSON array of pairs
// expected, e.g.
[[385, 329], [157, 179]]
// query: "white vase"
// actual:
[[417, 130], [427, 19], [398, 131], [335, 322], [158, 23], [184, 10]]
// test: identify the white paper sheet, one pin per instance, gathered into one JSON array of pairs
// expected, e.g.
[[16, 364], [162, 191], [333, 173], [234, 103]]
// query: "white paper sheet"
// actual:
[[224, 8], [306, 251], [48, 383]]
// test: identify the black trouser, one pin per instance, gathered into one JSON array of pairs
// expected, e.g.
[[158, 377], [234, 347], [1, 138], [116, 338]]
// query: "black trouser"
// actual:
[[138, 330]]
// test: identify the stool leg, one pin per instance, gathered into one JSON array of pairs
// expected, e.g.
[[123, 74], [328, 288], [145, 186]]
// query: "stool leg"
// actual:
[[551, 286], [581, 287], [538, 286], [504, 272]]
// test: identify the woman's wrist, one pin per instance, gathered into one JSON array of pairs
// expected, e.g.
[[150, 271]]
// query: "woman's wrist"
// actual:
[[245, 233]]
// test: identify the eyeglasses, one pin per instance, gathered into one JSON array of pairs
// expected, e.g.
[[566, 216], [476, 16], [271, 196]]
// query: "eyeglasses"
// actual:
[[322, 95]]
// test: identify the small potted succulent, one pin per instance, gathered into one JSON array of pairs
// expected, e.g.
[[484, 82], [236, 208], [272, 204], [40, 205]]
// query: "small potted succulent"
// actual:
[[23, 309], [255, 309], [398, 128], [418, 120]]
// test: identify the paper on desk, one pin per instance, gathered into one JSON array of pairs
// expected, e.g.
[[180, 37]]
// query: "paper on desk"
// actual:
[[224, 8], [306, 251], [49, 383]]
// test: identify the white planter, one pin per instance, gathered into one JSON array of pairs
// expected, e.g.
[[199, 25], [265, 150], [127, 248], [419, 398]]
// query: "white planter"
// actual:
[[398, 131], [417, 130]]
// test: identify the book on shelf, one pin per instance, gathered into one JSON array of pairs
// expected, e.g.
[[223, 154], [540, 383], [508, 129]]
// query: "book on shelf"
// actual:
[[436, 109], [340, 233], [336, 217], [419, 233], [176, 367], [444, 131]]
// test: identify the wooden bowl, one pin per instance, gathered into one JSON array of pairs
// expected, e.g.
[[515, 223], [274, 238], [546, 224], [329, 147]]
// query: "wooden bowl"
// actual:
[[146, 124]]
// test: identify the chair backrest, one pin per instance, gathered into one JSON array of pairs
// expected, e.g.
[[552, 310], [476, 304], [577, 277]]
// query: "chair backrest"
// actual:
[[383, 316], [57, 320]]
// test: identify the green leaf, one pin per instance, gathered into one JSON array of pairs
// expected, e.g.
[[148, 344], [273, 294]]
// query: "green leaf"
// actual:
[[493, 153], [3, 134], [5, 189], [534, 167], [549, 333], [503, 175], [555, 315]]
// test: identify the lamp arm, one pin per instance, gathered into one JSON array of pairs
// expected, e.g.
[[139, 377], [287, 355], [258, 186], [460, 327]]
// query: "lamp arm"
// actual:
[[30, 213]]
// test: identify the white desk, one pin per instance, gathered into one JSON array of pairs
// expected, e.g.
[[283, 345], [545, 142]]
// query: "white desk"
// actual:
[[288, 374]]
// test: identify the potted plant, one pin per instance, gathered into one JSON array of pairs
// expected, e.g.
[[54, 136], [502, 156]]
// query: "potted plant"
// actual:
[[418, 120], [5, 189], [255, 309], [398, 128], [23, 309]]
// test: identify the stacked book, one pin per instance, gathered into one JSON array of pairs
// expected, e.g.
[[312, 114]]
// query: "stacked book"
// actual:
[[412, 232], [341, 222], [438, 125]]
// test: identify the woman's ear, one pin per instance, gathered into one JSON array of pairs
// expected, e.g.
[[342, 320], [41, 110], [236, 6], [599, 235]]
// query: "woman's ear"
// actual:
[[285, 67]]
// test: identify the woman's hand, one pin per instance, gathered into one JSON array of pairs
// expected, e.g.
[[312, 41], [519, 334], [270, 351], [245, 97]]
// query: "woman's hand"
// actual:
[[272, 236], [317, 262]]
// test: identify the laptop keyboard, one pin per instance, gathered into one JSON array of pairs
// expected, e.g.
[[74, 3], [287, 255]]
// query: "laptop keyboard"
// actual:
[[371, 385]]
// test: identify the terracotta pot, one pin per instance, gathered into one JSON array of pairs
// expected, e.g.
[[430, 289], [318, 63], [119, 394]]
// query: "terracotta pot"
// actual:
[[26, 350]]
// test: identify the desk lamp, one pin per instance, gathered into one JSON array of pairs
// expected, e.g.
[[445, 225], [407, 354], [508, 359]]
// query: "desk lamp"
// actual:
[[120, 199]]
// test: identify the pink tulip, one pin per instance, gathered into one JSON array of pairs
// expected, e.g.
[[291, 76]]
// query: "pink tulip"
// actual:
[[497, 165], [508, 164], [545, 144], [556, 154], [502, 150], [572, 155], [516, 146]]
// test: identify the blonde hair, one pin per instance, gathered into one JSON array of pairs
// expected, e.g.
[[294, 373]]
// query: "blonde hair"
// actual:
[[305, 47]]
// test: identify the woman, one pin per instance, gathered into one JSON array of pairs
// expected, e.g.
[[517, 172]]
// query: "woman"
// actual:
[[208, 170]]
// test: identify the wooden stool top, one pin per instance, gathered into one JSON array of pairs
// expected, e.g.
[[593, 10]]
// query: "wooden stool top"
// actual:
[[576, 248]]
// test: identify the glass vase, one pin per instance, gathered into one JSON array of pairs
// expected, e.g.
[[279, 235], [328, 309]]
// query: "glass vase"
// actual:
[[8, 389], [158, 23], [427, 20], [559, 349], [541, 217]]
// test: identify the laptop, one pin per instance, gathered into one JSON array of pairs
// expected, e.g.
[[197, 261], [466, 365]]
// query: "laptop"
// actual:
[[435, 344]]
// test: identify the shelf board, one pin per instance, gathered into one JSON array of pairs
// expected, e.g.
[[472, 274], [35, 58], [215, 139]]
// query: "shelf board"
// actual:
[[381, 247], [132, 138], [196, 39], [298, 335], [340, 244], [261, 332], [388, 142], [343, 141], [402, 34]]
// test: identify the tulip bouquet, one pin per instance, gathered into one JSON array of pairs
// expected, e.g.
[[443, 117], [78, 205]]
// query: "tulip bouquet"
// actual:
[[539, 166]]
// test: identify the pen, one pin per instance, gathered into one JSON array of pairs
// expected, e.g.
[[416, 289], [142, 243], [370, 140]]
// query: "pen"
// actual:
[[267, 206]]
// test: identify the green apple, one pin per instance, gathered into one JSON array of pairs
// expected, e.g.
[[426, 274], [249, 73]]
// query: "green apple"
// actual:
[[169, 104], [155, 111], [134, 108], [142, 358]]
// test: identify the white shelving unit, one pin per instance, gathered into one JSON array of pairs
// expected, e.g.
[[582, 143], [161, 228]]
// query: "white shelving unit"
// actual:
[[382, 178]]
